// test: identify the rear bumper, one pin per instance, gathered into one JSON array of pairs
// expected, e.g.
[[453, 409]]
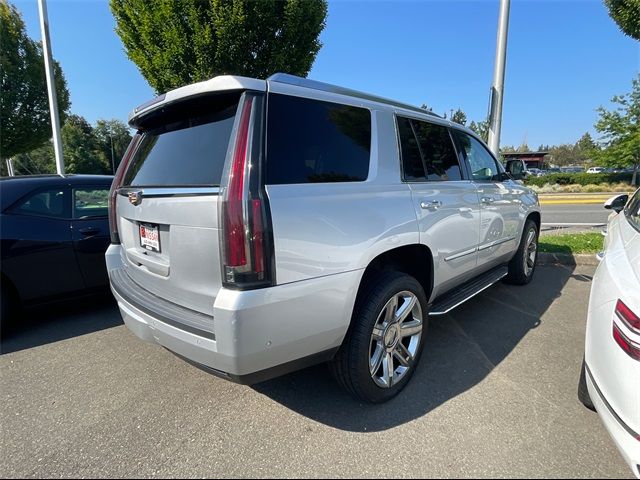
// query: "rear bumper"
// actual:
[[626, 439], [251, 335]]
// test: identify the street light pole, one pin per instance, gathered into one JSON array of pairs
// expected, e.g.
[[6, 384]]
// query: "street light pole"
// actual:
[[497, 89], [51, 87], [113, 164]]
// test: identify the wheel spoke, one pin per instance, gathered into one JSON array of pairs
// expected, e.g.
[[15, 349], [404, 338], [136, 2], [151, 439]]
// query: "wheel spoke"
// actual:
[[376, 359], [388, 369], [410, 329], [378, 333], [406, 308], [390, 309], [403, 355]]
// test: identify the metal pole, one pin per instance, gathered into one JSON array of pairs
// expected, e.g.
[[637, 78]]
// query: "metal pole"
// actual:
[[113, 163], [497, 89], [51, 86], [10, 167]]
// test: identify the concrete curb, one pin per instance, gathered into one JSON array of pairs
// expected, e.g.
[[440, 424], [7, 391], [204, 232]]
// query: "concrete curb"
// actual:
[[572, 259]]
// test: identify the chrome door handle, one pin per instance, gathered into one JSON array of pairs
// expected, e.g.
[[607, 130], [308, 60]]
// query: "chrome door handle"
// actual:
[[487, 200], [465, 210], [433, 205]]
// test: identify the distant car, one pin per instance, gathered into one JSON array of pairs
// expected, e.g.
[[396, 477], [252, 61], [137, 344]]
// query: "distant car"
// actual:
[[596, 170], [571, 169], [610, 378], [54, 232], [536, 172]]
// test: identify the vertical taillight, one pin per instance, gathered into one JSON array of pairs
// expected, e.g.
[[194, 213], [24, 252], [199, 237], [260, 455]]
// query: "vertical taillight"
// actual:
[[243, 209], [234, 223], [631, 321], [117, 183]]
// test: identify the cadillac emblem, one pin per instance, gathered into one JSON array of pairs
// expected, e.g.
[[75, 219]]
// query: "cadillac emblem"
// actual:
[[135, 198]]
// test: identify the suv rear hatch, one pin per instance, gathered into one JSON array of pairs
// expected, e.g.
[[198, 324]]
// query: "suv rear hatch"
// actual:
[[170, 193]]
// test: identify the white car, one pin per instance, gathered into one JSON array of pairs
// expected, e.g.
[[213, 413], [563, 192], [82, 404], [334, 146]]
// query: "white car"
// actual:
[[596, 170], [610, 378]]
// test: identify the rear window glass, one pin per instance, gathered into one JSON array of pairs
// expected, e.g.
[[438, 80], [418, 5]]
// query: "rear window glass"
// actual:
[[309, 141], [185, 150]]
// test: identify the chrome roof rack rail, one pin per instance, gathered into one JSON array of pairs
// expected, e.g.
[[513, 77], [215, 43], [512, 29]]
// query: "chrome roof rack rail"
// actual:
[[327, 87]]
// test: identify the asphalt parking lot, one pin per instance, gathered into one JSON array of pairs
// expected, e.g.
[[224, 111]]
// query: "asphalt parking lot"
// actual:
[[494, 396]]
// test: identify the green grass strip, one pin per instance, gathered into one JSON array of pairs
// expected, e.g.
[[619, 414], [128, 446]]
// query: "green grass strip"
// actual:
[[590, 242]]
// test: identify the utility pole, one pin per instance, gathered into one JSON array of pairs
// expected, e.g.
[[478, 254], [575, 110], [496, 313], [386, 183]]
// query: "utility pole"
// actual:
[[51, 86], [113, 163], [10, 167], [497, 88]]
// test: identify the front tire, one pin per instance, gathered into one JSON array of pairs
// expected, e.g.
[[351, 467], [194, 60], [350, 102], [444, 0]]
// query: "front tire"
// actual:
[[523, 264], [385, 340]]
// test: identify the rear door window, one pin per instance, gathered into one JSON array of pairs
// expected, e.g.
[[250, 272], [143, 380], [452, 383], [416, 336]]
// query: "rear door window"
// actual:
[[310, 141], [412, 166], [90, 202], [437, 151], [186, 148]]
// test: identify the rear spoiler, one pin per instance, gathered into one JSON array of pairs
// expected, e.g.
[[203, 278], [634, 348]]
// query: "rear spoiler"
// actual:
[[216, 84]]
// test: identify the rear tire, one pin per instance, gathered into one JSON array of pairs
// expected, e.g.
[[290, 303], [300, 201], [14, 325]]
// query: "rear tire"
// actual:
[[583, 391], [523, 264], [385, 341]]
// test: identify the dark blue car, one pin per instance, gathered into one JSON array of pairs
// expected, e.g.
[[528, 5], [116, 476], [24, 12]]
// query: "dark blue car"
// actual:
[[54, 231]]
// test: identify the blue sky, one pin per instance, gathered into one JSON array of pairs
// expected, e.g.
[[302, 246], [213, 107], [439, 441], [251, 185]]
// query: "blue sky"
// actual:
[[565, 58]]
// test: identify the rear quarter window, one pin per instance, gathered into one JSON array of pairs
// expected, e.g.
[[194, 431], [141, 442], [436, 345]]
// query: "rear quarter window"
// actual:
[[311, 141]]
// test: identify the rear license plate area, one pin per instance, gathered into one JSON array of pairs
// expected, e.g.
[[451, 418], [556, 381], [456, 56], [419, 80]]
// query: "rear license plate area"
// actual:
[[149, 237]]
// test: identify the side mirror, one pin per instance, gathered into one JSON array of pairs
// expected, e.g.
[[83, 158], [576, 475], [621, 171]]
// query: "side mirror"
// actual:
[[616, 203], [516, 169]]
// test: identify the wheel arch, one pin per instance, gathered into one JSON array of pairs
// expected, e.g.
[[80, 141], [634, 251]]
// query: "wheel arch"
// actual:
[[415, 260]]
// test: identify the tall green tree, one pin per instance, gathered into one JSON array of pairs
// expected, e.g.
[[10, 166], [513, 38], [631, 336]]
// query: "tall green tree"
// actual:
[[178, 42], [459, 117], [112, 138], [82, 151], [620, 129], [40, 160], [626, 13], [24, 104], [481, 129]]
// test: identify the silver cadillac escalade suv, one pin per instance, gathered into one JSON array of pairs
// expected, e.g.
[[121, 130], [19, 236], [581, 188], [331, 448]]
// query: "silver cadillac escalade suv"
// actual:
[[261, 226]]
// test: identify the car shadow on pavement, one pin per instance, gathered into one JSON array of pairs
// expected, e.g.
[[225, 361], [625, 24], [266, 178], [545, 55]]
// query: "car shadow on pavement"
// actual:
[[47, 324], [461, 349]]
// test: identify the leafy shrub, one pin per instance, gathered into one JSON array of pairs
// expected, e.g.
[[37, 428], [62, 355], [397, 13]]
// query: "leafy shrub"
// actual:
[[579, 178]]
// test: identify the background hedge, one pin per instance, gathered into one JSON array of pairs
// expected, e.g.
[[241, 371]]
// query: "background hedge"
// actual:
[[579, 178]]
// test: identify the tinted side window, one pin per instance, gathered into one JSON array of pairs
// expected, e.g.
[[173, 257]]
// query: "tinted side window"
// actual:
[[483, 166], [632, 211], [90, 202], [45, 203], [412, 167], [437, 151], [309, 141]]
